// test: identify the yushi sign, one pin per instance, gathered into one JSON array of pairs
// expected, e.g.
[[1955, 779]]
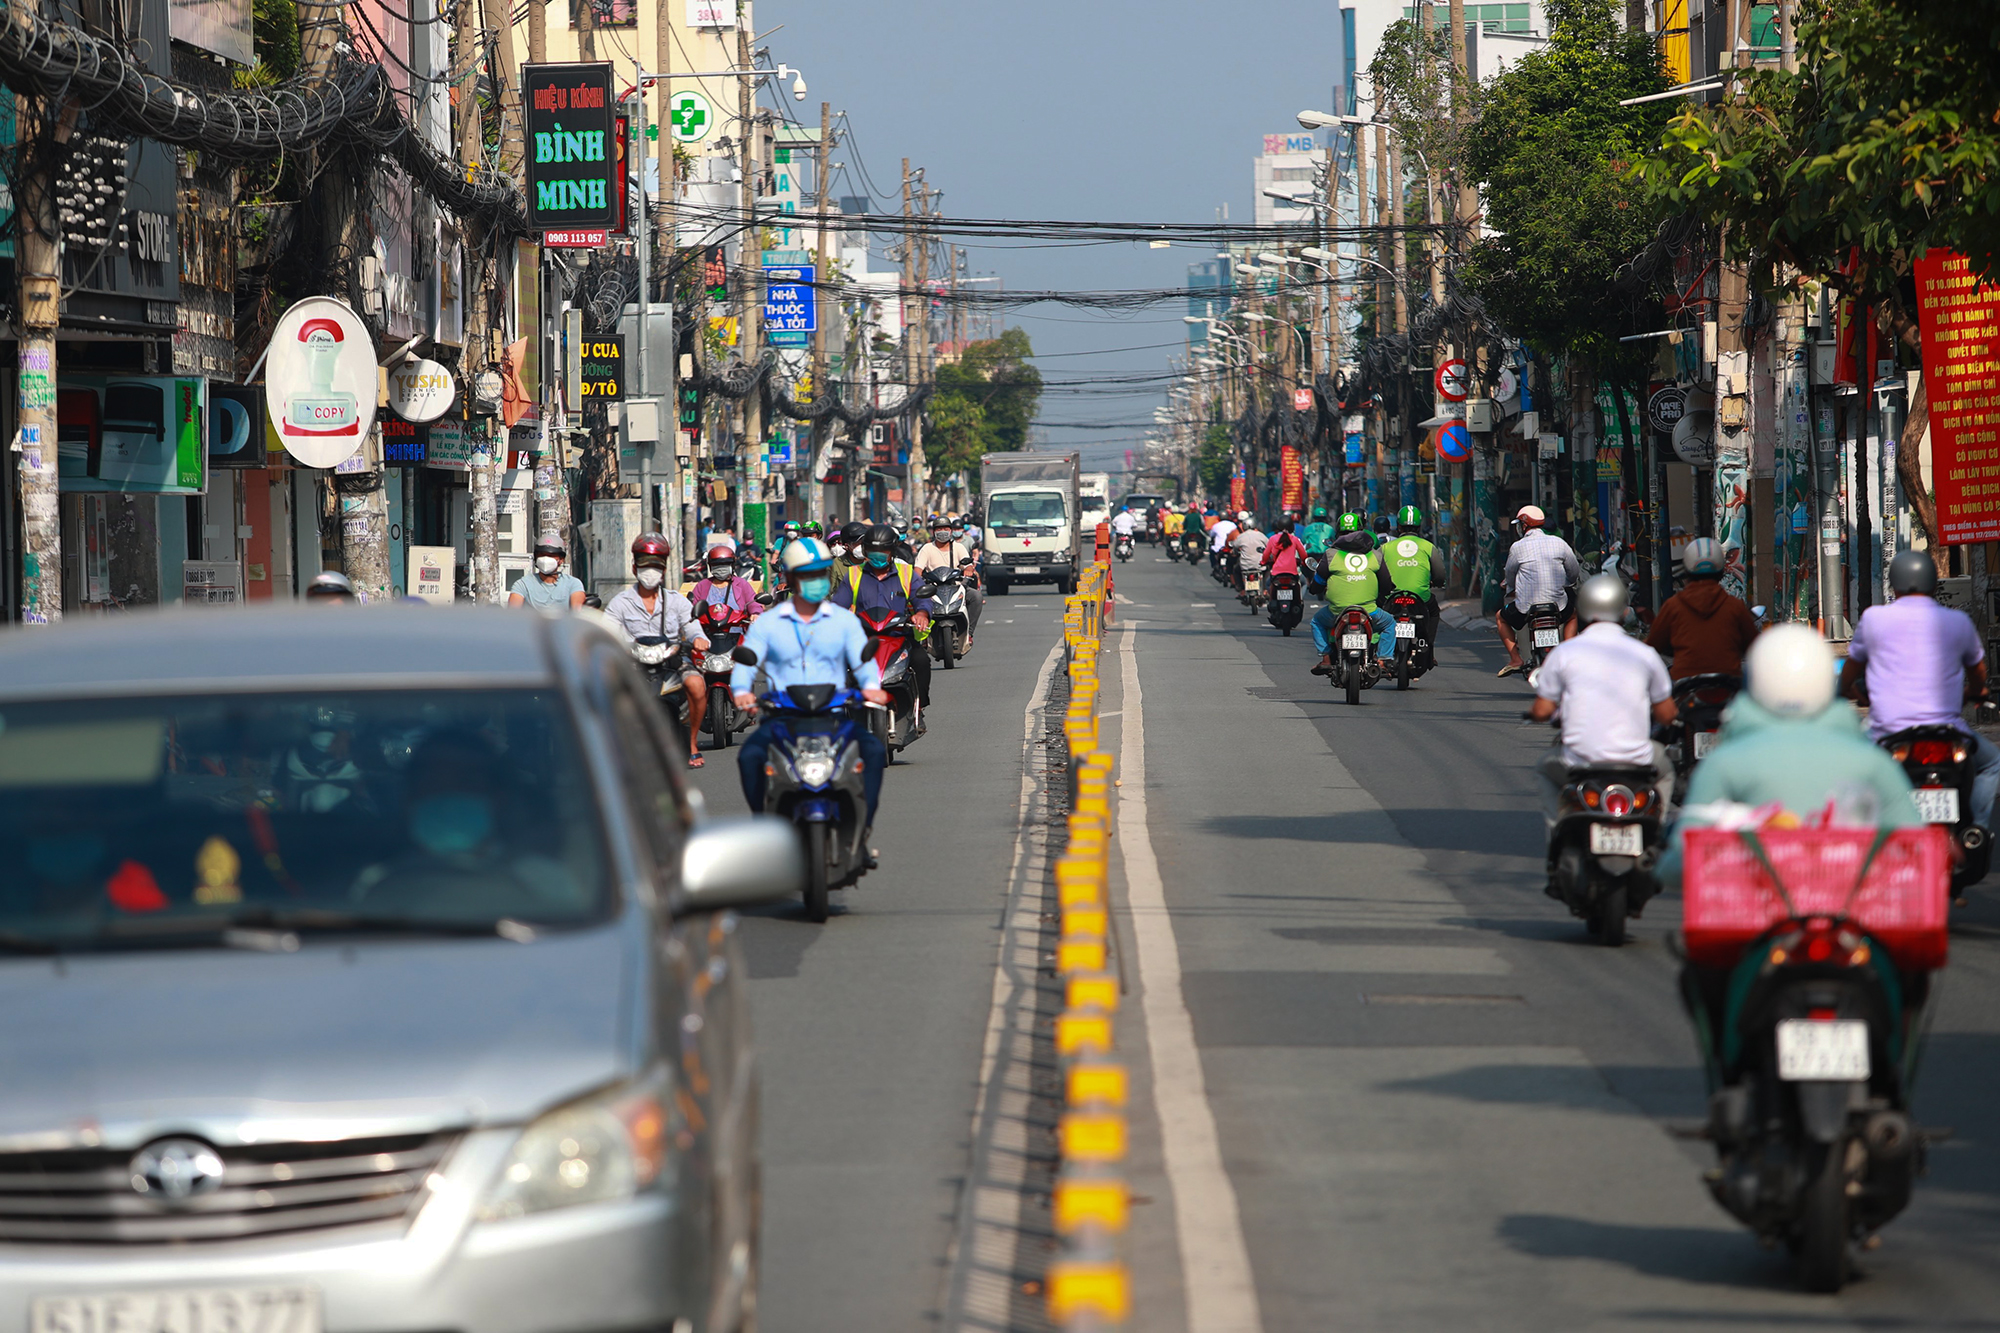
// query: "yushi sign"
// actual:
[[1959, 317], [572, 170]]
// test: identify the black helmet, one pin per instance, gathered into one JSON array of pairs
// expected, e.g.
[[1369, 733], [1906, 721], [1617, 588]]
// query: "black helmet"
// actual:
[[853, 532], [331, 584], [880, 537], [1913, 571]]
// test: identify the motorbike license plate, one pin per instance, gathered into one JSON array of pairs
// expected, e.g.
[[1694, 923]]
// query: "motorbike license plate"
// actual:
[[1617, 840], [246, 1309], [1024, 569], [1406, 629], [1547, 638], [1937, 805], [1285, 594], [1704, 741], [1815, 1051], [1354, 643]]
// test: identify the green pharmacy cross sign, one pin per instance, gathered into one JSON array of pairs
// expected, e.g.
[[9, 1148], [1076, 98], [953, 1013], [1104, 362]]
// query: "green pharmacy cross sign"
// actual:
[[690, 116], [572, 168]]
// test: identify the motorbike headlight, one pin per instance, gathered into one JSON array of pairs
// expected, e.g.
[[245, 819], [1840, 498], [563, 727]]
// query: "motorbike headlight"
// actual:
[[651, 654], [815, 770], [597, 1150]]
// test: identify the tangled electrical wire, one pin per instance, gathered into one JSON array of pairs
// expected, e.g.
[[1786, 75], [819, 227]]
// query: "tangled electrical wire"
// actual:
[[355, 105]]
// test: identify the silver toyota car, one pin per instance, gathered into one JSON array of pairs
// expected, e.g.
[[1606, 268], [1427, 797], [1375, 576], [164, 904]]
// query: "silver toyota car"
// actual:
[[365, 971]]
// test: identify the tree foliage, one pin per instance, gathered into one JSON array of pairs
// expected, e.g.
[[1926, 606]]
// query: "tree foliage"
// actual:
[[985, 402], [1552, 148], [1213, 462], [1885, 142]]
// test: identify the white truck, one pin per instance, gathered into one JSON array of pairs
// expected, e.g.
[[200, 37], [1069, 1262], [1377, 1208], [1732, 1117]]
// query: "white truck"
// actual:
[[1032, 530], [1094, 499]]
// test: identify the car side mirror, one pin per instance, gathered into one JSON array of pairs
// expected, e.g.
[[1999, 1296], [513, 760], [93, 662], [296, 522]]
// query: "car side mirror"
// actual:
[[743, 654], [739, 863]]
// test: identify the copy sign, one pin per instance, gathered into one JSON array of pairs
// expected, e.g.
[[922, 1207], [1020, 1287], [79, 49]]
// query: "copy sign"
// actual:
[[790, 313], [1959, 318]]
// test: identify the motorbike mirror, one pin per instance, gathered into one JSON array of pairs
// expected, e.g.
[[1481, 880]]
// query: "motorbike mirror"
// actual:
[[744, 654], [873, 646]]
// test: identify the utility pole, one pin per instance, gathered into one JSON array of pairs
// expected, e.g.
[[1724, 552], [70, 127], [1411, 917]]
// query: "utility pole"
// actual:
[[823, 282], [913, 494], [909, 283], [753, 250], [1399, 257], [478, 349], [586, 31], [538, 32], [40, 127]]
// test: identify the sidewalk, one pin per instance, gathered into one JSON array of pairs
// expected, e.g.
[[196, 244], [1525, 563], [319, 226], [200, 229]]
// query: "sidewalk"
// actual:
[[1458, 614]]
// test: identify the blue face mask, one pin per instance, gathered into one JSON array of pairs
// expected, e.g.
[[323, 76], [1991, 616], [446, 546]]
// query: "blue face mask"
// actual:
[[451, 823], [815, 587], [878, 559]]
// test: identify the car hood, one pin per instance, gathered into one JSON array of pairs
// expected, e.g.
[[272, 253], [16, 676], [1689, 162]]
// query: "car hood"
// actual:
[[337, 1040]]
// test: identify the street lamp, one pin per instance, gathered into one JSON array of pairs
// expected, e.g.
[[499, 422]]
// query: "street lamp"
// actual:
[[1329, 257]]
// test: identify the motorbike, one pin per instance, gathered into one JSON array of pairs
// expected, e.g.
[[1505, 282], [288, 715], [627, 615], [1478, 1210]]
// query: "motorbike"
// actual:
[[1153, 528], [1413, 650], [1939, 762], [1191, 542], [814, 779], [1252, 594], [1122, 545], [1602, 849], [1225, 566], [951, 621], [661, 660], [1173, 545], [1288, 602], [1699, 701], [1810, 1017], [1354, 668], [892, 639], [1539, 637], [723, 626]]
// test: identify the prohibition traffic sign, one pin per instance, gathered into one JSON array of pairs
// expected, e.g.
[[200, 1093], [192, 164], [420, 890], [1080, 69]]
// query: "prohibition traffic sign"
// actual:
[[1452, 385], [689, 117], [1454, 443]]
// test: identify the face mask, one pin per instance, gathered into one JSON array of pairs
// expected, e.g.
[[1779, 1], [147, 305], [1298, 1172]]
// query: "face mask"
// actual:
[[815, 587], [878, 559], [941, 538], [722, 573], [547, 564], [451, 823], [650, 579], [322, 740], [839, 549]]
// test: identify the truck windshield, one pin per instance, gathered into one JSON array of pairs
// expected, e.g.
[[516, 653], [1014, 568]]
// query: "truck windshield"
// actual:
[[1026, 509], [164, 821]]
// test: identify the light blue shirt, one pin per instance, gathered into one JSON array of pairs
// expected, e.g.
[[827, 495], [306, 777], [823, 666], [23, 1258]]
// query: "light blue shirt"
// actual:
[[793, 650], [547, 595]]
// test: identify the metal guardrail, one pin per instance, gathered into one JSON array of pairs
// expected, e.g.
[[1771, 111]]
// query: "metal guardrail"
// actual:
[[1088, 1285]]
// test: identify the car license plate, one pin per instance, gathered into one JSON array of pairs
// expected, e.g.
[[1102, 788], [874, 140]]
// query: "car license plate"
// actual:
[[1937, 805], [1546, 638], [1024, 569], [1617, 840], [183, 1310], [1406, 629], [1810, 1050], [1704, 741], [1353, 643]]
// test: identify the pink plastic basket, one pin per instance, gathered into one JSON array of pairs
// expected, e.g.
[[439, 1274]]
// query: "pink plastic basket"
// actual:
[[1904, 901]]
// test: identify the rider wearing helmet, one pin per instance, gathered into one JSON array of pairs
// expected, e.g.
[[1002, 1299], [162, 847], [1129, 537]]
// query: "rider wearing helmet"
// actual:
[[724, 583], [1353, 577], [812, 529], [1415, 565], [946, 551], [1921, 662], [547, 586], [1220, 533], [847, 549], [332, 588], [1702, 630], [804, 640], [1610, 689], [1317, 534], [649, 607], [1541, 570], [882, 583]]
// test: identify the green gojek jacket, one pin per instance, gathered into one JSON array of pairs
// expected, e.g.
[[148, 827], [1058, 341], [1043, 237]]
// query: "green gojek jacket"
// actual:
[[1414, 564], [1353, 579]]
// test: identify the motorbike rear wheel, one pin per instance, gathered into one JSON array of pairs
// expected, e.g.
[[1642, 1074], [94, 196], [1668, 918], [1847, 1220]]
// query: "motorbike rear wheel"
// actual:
[[1353, 682], [816, 886], [947, 647], [1823, 1221], [719, 719], [1611, 917], [1403, 669]]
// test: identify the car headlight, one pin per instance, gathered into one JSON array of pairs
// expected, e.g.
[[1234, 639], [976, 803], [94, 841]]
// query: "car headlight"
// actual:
[[603, 1148]]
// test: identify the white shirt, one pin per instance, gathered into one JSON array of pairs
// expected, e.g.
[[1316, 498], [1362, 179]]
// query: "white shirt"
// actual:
[[1122, 523], [1249, 544], [1606, 683], [932, 556], [1218, 536], [1540, 568]]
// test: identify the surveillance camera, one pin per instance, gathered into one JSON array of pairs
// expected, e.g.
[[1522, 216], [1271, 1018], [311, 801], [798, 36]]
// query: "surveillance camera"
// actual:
[[799, 89]]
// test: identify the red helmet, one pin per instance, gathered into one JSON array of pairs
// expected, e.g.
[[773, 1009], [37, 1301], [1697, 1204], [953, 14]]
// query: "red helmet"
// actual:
[[722, 552], [650, 548]]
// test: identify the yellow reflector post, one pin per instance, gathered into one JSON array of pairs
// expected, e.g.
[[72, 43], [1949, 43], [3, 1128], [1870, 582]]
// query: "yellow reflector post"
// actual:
[[1097, 1082], [1095, 1202], [1086, 1030], [1092, 991], [1092, 1136]]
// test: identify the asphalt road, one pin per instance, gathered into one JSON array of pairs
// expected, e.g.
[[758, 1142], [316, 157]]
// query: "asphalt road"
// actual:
[[1437, 1102]]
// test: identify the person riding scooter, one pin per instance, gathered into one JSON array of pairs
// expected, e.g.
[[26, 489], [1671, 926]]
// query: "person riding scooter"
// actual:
[[884, 583], [1354, 577], [651, 608], [1541, 570], [1702, 630]]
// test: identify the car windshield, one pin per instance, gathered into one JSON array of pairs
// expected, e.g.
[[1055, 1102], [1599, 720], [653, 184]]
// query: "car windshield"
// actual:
[[168, 820], [1040, 509]]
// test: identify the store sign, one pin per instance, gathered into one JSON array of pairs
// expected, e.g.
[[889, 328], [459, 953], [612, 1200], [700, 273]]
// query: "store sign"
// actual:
[[403, 442], [421, 390], [1959, 318], [132, 434], [1292, 477], [1666, 407], [572, 170], [319, 381], [1302, 400], [236, 426], [791, 312], [576, 239], [449, 447], [604, 367], [432, 573]]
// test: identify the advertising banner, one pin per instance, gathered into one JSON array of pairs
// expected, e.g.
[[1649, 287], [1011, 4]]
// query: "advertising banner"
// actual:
[[1959, 318], [572, 171], [132, 434], [790, 314], [236, 426], [320, 381], [1292, 478]]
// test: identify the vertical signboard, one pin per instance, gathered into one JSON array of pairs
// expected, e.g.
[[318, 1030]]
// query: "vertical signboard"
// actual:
[[790, 311], [1292, 478], [1959, 318], [572, 169]]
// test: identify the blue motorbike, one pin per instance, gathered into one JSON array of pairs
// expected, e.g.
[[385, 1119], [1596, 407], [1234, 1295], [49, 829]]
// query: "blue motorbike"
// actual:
[[814, 779]]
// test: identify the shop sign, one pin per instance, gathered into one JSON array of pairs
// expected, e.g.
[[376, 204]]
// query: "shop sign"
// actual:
[[236, 425], [572, 171], [791, 310], [1302, 400], [132, 434], [432, 573], [403, 442], [449, 447], [421, 390], [1666, 408], [604, 367], [319, 381]]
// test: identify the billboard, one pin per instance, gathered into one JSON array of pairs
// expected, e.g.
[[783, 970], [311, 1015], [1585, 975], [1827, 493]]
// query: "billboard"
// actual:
[[572, 170], [132, 434], [1959, 318]]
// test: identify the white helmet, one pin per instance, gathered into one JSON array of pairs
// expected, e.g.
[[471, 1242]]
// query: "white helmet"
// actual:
[[1602, 597], [1791, 671]]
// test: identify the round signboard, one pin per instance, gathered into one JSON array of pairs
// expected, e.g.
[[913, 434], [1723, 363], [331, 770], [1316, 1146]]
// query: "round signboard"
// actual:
[[319, 381], [1694, 438], [1665, 408], [1505, 384], [420, 390], [1452, 382], [1454, 442], [689, 117]]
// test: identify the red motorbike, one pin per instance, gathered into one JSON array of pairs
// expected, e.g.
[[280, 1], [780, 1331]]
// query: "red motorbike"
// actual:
[[1353, 653], [723, 626], [892, 638]]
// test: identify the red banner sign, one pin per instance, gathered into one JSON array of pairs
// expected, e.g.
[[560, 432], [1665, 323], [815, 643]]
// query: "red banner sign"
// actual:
[[1302, 400], [1960, 321], [1292, 476], [1239, 494]]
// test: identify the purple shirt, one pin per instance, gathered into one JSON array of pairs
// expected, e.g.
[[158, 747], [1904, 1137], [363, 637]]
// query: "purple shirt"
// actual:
[[1916, 653]]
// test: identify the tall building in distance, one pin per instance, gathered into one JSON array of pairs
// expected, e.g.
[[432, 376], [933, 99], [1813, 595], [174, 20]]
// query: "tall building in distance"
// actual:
[[1286, 167]]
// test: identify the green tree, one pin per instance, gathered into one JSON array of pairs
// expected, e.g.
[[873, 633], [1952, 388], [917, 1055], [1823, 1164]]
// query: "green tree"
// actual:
[[1213, 462], [985, 402], [1551, 149]]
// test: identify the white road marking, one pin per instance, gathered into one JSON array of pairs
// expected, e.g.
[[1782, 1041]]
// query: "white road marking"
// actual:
[[1215, 1263]]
